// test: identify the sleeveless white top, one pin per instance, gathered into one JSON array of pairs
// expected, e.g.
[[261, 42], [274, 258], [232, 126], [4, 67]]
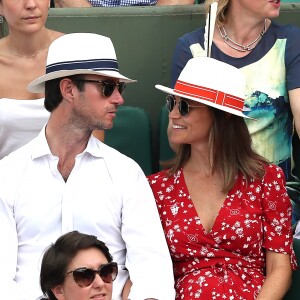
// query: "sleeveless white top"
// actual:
[[20, 122]]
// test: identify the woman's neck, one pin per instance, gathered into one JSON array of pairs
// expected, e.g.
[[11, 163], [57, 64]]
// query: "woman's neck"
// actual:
[[200, 162], [238, 38], [245, 32], [28, 45]]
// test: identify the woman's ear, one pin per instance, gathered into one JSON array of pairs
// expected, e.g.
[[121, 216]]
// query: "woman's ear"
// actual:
[[58, 292]]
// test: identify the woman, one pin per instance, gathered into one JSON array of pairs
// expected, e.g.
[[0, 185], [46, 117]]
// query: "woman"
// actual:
[[269, 55], [224, 209], [23, 55], [77, 266]]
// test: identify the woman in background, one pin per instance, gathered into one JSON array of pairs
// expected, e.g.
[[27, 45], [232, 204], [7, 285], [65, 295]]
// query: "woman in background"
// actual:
[[23, 55], [268, 54]]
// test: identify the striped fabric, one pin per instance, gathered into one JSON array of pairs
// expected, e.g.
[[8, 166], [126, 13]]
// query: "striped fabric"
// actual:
[[112, 3]]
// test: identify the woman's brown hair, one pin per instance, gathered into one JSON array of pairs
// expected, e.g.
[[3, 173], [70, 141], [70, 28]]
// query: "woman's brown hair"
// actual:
[[221, 12], [230, 150]]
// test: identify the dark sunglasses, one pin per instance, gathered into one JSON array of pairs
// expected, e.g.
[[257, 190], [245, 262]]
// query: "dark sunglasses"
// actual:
[[183, 105], [85, 276], [108, 86]]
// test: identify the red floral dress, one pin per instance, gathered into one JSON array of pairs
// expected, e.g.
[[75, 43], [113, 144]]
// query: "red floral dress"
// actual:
[[227, 262]]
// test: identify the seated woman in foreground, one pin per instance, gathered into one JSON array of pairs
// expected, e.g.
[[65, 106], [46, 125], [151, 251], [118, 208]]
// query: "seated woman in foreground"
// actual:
[[224, 209], [77, 267]]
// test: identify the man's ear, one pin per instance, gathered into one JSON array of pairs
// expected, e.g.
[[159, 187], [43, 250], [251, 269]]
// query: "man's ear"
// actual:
[[58, 292], [67, 88]]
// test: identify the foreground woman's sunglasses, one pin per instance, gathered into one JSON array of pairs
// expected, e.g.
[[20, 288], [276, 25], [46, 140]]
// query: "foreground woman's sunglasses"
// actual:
[[85, 276]]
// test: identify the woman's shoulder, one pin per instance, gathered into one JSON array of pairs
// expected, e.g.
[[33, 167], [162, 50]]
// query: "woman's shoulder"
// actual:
[[162, 178], [57, 34], [161, 175], [284, 30], [273, 173], [196, 36]]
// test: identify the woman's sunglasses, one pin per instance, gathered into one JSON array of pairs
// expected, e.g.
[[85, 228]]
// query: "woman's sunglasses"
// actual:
[[85, 276], [108, 86], [183, 105]]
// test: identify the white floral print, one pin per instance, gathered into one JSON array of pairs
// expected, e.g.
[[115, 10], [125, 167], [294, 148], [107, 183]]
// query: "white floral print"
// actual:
[[229, 261]]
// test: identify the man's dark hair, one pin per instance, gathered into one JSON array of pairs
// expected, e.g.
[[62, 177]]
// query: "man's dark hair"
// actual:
[[53, 95]]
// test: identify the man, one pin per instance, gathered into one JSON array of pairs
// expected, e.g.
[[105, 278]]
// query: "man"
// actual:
[[65, 179]]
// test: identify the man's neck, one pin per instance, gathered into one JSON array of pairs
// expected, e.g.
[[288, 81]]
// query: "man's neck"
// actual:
[[66, 144]]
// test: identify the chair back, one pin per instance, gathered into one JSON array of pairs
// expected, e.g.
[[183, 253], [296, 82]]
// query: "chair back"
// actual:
[[131, 135], [165, 151]]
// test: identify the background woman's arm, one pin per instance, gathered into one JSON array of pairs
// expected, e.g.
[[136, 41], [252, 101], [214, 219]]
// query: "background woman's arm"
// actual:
[[294, 96]]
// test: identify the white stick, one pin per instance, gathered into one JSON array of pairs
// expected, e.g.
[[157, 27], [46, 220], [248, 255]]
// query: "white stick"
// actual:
[[210, 27]]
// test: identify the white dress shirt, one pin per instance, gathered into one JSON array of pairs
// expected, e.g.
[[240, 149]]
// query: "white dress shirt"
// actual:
[[106, 195], [297, 231]]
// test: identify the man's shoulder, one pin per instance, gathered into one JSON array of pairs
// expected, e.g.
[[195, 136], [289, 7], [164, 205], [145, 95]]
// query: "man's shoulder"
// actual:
[[114, 156], [121, 167]]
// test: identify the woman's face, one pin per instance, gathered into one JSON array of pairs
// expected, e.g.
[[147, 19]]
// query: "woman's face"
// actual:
[[193, 129], [25, 15], [267, 9], [91, 258]]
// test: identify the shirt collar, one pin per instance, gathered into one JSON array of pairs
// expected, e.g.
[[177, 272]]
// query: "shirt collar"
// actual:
[[42, 148], [94, 147]]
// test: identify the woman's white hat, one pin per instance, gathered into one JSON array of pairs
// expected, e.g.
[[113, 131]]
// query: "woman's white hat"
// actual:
[[211, 82], [79, 53]]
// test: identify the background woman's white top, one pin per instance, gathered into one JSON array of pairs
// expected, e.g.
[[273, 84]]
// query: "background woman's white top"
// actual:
[[20, 122]]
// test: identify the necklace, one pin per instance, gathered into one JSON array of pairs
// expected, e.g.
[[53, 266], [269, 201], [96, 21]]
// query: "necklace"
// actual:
[[34, 54], [239, 47]]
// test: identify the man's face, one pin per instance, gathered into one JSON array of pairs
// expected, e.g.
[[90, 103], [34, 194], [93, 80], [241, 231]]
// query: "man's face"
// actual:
[[92, 109]]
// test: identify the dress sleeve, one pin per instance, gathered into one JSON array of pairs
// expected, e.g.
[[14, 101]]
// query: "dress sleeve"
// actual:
[[277, 214]]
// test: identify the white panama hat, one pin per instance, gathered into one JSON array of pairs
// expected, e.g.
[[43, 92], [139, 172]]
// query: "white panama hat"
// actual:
[[211, 82], [79, 53]]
